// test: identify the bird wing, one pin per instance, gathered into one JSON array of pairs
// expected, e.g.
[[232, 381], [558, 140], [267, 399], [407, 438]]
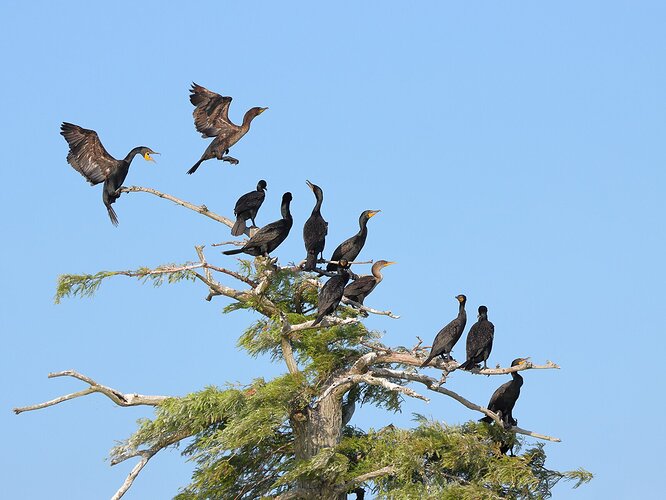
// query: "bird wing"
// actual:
[[497, 399], [87, 154], [211, 111], [362, 285], [249, 201], [267, 233]]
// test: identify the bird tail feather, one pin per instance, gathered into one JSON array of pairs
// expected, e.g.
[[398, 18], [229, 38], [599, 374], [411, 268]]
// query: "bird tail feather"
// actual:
[[467, 365], [486, 419], [194, 168], [233, 252], [310, 261], [112, 215], [428, 360], [239, 227]]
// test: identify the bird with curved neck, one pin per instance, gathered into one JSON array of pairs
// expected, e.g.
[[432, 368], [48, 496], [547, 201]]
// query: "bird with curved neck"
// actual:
[[351, 247], [449, 335], [331, 293], [269, 237], [314, 230], [479, 341], [361, 287], [211, 119], [88, 157], [247, 207], [505, 396]]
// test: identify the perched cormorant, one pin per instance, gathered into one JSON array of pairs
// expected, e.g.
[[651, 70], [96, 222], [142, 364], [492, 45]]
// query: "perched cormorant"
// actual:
[[247, 207], [315, 230], [351, 247], [505, 396], [449, 335], [211, 119], [90, 159], [330, 294], [360, 288], [479, 341], [269, 237]]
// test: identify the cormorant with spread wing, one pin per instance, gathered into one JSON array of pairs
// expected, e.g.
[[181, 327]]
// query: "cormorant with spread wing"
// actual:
[[315, 230], [351, 247], [479, 341], [269, 237], [211, 119], [449, 335], [247, 207], [331, 293], [505, 396], [361, 287], [88, 157]]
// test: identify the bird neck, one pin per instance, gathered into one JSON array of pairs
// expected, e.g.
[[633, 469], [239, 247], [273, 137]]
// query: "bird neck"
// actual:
[[517, 378], [286, 214], [461, 309], [363, 226], [320, 200], [377, 273], [130, 156], [247, 119]]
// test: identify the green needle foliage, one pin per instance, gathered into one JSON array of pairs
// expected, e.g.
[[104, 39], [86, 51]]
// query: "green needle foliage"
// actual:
[[244, 440]]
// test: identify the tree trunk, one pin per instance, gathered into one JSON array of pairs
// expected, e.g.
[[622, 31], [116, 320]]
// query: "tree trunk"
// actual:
[[316, 429]]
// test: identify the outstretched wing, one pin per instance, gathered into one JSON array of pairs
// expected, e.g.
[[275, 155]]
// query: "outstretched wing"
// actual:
[[86, 153], [211, 111]]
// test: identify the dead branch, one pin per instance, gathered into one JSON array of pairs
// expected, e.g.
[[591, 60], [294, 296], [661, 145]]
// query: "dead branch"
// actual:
[[121, 399], [384, 471], [202, 209], [432, 384]]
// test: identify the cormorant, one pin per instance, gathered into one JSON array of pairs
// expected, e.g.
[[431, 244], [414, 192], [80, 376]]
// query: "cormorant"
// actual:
[[479, 341], [449, 335], [247, 207], [315, 230], [351, 247], [269, 237], [211, 119], [360, 288], [330, 294], [88, 157], [505, 396]]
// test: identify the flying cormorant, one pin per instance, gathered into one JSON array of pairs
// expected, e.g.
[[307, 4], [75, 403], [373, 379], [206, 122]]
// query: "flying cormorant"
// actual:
[[211, 119], [88, 157]]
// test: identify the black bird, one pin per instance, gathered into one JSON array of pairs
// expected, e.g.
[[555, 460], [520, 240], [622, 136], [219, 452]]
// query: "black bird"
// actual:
[[505, 396], [211, 119], [330, 294], [269, 237], [315, 230], [351, 247], [88, 157], [479, 341], [361, 287], [449, 335], [247, 207]]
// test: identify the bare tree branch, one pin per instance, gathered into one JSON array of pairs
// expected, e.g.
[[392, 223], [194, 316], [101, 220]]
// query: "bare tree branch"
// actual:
[[202, 209], [117, 397], [368, 476]]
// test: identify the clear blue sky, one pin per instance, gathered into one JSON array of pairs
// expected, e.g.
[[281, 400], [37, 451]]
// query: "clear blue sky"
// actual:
[[515, 150]]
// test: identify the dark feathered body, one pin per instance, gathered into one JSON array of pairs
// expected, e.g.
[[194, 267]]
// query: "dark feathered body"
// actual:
[[361, 287], [330, 295], [269, 237], [88, 157], [315, 230], [247, 207], [351, 247], [211, 119], [479, 341], [505, 396], [449, 335]]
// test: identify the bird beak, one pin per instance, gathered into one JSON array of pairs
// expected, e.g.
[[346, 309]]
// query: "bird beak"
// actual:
[[261, 110], [525, 360], [373, 213], [147, 156], [389, 263], [310, 185]]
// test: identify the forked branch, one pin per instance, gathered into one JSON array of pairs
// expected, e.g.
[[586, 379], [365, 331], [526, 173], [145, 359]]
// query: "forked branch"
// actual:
[[121, 399]]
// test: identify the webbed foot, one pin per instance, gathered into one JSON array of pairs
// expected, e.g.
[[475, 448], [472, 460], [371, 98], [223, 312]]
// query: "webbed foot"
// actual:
[[230, 159]]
